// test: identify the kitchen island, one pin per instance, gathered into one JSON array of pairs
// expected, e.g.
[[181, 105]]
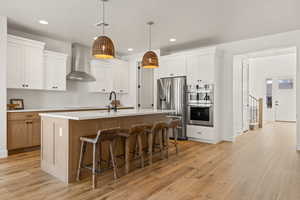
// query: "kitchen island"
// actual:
[[60, 143]]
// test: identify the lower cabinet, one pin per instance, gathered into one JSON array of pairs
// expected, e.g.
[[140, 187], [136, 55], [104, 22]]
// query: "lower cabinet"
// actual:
[[24, 129], [201, 133], [23, 133]]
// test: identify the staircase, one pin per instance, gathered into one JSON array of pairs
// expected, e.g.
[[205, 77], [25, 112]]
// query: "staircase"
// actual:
[[255, 112]]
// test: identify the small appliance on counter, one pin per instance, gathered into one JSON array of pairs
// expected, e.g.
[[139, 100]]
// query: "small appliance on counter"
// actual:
[[200, 106], [171, 95], [16, 104]]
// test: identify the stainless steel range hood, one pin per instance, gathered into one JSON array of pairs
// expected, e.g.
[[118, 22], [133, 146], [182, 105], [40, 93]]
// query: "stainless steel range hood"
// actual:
[[80, 66]]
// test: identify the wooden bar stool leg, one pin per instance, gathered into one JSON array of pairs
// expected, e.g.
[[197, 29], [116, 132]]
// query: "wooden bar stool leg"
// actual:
[[166, 131], [160, 137], [150, 145], [113, 160], [175, 132], [94, 175], [136, 148], [126, 155], [153, 142], [81, 157], [140, 145], [100, 155]]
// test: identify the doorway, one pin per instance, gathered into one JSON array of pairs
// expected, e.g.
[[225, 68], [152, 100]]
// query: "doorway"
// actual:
[[269, 76]]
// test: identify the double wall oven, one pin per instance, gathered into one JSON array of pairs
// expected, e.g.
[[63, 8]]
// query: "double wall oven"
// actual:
[[201, 107]]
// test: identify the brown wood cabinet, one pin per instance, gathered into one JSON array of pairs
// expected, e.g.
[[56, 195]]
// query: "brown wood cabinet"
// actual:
[[24, 129]]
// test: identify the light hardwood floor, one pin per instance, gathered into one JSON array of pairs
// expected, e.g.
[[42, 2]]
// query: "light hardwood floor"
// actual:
[[261, 165]]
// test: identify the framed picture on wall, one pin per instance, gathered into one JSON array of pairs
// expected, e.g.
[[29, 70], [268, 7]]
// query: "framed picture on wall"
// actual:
[[18, 102]]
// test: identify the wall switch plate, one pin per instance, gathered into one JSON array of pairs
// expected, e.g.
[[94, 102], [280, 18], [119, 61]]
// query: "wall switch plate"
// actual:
[[60, 132]]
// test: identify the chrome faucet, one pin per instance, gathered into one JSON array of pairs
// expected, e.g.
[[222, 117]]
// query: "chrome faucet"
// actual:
[[115, 103]]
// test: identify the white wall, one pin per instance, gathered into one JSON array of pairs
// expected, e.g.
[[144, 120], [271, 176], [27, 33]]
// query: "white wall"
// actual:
[[263, 68], [243, 47], [3, 42], [77, 92]]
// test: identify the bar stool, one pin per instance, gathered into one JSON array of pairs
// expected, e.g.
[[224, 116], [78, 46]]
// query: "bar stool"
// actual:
[[108, 135], [174, 125], [160, 130], [135, 131]]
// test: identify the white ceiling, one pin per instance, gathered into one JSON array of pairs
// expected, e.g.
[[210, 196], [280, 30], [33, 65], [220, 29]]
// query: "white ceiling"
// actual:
[[192, 22]]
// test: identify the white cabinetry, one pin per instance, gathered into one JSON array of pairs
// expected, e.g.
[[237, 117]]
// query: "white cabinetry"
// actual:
[[201, 133], [110, 76], [55, 70], [24, 63], [200, 67], [121, 76], [172, 66], [103, 73]]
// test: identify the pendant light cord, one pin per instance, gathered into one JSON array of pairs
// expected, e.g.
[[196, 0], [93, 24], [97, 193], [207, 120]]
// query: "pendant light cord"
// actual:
[[150, 37], [103, 17]]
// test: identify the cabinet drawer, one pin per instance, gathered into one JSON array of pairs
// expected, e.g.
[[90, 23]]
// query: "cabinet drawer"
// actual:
[[200, 132], [23, 116]]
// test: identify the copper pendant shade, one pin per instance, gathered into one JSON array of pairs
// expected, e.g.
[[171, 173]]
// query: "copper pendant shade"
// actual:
[[150, 59], [103, 46]]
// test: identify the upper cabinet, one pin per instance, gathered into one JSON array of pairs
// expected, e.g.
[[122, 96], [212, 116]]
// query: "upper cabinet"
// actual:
[[110, 76], [24, 63], [197, 65], [121, 76], [103, 73], [172, 66], [55, 65], [200, 67]]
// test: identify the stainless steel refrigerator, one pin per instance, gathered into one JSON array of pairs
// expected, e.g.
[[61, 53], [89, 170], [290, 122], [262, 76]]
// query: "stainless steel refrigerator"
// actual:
[[171, 95]]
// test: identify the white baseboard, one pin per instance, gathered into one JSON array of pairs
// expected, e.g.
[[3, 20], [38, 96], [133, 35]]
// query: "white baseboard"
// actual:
[[203, 140], [3, 153], [229, 139]]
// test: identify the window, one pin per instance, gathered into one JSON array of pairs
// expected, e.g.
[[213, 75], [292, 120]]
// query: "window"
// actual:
[[285, 84], [269, 85]]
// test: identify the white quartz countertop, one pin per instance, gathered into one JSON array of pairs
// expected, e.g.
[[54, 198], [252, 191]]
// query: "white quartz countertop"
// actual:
[[87, 115], [65, 108]]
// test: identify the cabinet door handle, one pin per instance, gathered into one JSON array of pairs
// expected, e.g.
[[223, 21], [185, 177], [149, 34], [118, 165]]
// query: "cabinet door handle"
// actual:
[[121, 90], [103, 90], [199, 133], [28, 122], [171, 74]]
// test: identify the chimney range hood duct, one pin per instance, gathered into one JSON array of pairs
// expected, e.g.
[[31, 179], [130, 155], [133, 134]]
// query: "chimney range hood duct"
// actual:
[[80, 65]]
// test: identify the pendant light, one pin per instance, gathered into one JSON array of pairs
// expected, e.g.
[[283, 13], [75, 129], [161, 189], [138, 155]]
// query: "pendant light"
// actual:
[[103, 47], [150, 59]]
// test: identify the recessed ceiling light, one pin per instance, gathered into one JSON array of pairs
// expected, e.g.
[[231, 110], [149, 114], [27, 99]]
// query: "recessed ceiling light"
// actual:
[[130, 49], [43, 22], [172, 40]]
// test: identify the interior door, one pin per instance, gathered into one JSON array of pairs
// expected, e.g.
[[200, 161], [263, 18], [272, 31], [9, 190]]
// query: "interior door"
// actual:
[[245, 89], [285, 99], [146, 87]]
